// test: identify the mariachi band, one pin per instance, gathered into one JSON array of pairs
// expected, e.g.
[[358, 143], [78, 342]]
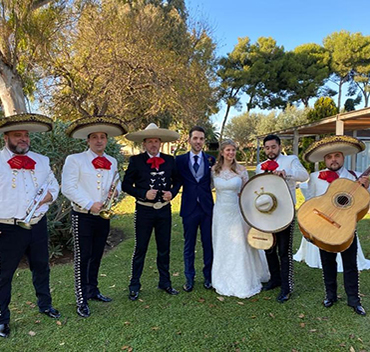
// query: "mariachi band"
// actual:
[[90, 181]]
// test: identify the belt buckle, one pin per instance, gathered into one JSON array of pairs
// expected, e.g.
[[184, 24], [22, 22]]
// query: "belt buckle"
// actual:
[[157, 205]]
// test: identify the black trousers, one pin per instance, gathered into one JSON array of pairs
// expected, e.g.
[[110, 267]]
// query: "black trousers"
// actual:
[[191, 223], [14, 243], [282, 271], [350, 273], [90, 234], [147, 219]]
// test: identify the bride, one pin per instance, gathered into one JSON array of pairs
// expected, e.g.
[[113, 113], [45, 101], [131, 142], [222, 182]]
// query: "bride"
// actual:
[[237, 269]]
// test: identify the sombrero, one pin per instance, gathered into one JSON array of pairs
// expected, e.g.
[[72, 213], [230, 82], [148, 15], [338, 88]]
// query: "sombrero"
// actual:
[[81, 128], [345, 144], [26, 122], [153, 131], [266, 203]]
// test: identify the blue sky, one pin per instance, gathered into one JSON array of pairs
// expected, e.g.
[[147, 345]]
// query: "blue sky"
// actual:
[[289, 22]]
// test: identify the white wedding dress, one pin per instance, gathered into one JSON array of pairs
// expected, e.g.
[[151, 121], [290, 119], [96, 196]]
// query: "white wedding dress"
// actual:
[[310, 254], [237, 269]]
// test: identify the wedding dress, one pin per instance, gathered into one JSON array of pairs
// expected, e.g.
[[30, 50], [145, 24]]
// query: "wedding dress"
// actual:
[[310, 254], [237, 269]]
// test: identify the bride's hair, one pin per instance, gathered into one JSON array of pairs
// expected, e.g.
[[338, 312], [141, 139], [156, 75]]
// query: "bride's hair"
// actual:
[[235, 167]]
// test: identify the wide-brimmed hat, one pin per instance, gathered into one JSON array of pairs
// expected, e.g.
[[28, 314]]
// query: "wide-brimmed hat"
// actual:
[[266, 203], [26, 122], [82, 127], [153, 131], [345, 144]]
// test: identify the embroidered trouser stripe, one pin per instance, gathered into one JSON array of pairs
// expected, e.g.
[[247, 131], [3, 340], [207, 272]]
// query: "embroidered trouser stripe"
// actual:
[[77, 260]]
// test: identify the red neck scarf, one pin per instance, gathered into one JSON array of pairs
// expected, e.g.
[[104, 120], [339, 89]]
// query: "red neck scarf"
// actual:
[[155, 162], [22, 162], [328, 176], [269, 165], [101, 162]]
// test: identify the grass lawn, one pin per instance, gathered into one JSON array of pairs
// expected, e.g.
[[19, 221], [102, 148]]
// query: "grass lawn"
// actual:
[[196, 321]]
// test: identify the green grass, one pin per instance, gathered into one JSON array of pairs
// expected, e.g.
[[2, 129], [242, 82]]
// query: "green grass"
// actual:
[[196, 321]]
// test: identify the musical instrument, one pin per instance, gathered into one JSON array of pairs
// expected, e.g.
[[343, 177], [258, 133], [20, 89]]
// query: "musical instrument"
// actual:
[[260, 240], [106, 210], [35, 202], [266, 203], [329, 221]]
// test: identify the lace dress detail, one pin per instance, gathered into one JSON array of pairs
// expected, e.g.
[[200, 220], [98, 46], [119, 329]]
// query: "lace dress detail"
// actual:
[[238, 269]]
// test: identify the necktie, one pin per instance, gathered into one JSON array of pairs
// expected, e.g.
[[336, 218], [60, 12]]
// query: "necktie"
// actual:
[[22, 162], [328, 176], [101, 162], [155, 161], [196, 165], [269, 165]]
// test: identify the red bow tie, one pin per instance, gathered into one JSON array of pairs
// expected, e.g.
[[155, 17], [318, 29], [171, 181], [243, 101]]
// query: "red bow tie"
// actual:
[[101, 162], [269, 165], [328, 176], [22, 162], [155, 162]]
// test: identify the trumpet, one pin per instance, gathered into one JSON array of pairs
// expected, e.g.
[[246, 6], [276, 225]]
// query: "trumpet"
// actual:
[[106, 212], [35, 202]]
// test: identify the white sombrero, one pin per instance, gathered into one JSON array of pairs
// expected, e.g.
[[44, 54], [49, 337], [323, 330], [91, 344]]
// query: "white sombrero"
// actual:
[[26, 122], [345, 144], [153, 131], [266, 203], [81, 128]]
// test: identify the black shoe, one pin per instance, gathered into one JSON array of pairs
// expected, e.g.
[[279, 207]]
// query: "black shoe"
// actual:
[[207, 285], [4, 330], [271, 285], [52, 313], [188, 286], [359, 310], [133, 295], [101, 298], [171, 291], [328, 302], [83, 310], [283, 297]]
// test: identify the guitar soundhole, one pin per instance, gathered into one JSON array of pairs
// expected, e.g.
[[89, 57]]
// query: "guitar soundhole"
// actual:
[[343, 200]]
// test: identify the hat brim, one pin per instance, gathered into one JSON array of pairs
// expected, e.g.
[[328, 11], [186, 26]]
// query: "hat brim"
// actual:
[[344, 144], [83, 127], [272, 222], [26, 122], [161, 133]]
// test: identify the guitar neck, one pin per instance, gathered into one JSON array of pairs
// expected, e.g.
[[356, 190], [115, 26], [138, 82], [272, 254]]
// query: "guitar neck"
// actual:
[[366, 172]]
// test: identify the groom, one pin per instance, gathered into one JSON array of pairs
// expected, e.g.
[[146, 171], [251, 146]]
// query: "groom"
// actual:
[[194, 169]]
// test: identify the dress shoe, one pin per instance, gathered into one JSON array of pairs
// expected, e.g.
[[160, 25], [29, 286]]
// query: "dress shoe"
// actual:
[[188, 286], [133, 295], [283, 297], [83, 310], [328, 302], [171, 291], [51, 312], [207, 285], [101, 298], [271, 285], [4, 330], [359, 310]]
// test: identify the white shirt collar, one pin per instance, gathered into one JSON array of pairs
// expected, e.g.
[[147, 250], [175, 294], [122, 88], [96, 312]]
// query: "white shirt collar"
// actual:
[[152, 156], [200, 155]]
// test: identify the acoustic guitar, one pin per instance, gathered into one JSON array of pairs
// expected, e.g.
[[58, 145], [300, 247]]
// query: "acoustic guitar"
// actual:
[[260, 240], [329, 221]]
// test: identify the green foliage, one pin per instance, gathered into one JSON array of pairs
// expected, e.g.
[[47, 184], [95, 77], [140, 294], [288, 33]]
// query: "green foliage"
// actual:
[[323, 107]]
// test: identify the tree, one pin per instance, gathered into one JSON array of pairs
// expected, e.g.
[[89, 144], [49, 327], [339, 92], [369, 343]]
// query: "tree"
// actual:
[[323, 107]]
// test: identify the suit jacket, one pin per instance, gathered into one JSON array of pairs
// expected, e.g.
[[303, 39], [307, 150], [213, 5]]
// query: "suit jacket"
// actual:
[[140, 177], [316, 186], [193, 191]]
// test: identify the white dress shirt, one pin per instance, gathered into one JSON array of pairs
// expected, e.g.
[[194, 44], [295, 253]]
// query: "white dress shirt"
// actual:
[[295, 172], [82, 183], [19, 187]]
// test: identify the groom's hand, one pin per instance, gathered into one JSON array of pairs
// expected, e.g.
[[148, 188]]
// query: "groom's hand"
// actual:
[[167, 196], [151, 194]]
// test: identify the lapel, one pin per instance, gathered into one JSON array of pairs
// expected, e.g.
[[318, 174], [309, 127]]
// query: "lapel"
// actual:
[[205, 165]]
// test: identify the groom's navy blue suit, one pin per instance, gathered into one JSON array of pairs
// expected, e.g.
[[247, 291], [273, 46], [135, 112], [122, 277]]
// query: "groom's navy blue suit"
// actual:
[[196, 211]]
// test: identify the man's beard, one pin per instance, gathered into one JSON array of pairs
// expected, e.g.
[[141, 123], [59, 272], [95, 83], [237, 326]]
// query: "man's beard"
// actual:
[[17, 149], [335, 168]]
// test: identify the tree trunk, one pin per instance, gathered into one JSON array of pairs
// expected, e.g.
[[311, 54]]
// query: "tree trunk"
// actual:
[[224, 122], [11, 92]]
